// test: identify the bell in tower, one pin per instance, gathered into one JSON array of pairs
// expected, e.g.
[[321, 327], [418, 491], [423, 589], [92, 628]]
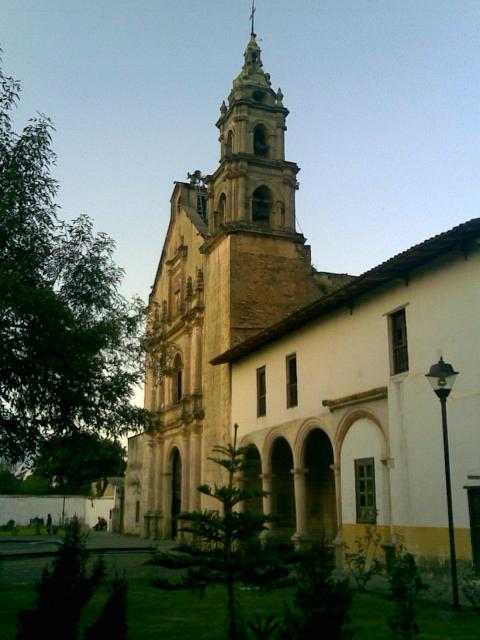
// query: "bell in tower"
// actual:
[[254, 185]]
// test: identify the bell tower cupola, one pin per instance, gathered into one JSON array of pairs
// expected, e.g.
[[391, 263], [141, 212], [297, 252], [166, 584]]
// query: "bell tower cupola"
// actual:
[[254, 185]]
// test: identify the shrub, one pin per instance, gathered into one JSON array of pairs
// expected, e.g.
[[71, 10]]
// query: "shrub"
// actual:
[[471, 587], [112, 622], [405, 584], [362, 563], [322, 603]]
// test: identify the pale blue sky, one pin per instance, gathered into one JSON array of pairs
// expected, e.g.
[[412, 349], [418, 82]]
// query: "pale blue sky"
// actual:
[[384, 121]]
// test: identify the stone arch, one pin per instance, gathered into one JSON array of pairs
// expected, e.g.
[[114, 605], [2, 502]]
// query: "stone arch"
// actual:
[[315, 461], [320, 490], [363, 454], [283, 494], [300, 439], [270, 438], [251, 479], [262, 204], [349, 419]]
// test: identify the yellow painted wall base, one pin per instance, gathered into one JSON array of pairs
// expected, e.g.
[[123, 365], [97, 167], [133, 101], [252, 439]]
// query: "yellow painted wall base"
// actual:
[[423, 542]]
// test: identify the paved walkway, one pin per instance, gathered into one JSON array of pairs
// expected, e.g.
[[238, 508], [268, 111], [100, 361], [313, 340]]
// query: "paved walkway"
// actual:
[[96, 541], [24, 557]]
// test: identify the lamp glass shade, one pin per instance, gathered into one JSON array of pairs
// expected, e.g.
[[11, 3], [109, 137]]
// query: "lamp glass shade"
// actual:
[[442, 376]]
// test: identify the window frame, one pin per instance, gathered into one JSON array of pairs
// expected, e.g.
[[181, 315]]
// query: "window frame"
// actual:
[[261, 392], [292, 385], [398, 336], [365, 513]]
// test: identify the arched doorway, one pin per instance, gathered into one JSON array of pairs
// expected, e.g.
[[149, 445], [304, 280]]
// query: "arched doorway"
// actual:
[[176, 491], [252, 480], [321, 510], [283, 497]]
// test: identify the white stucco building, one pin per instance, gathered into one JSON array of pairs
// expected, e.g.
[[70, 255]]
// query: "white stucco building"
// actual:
[[342, 426]]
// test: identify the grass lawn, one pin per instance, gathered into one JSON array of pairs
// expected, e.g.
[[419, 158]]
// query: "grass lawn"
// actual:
[[183, 616]]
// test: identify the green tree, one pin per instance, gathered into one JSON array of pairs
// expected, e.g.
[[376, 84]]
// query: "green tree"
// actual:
[[70, 463], [224, 547], [70, 349], [9, 483], [35, 485]]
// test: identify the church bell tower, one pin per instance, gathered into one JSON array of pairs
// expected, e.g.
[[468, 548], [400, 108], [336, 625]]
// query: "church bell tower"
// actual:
[[259, 267], [254, 186]]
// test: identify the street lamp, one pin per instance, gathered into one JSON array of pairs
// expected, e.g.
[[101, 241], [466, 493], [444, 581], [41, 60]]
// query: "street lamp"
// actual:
[[442, 376]]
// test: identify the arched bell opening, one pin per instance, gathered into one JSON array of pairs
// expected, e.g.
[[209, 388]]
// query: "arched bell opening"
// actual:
[[321, 511], [260, 142], [261, 206], [283, 496]]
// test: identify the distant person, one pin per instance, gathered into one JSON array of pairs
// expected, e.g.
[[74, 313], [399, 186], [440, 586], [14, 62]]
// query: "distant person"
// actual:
[[49, 523], [101, 524]]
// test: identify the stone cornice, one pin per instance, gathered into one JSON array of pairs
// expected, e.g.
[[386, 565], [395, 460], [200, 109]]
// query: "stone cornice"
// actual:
[[378, 393], [245, 228]]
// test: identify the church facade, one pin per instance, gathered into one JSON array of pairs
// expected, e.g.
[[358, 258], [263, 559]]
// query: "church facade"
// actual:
[[232, 264], [323, 373]]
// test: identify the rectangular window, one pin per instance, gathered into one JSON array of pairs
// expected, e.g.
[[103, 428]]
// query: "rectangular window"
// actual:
[[398, 337], [292, 398], [365, 491], [137, 510], [261, 392]]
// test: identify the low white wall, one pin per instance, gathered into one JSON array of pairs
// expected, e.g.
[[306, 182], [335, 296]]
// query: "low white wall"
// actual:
[[23, 508], [99, 507]]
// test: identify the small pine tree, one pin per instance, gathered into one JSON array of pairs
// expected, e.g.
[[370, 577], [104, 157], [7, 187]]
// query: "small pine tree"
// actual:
[[224, 547], [322, 603], [112, 622], [62, 591]]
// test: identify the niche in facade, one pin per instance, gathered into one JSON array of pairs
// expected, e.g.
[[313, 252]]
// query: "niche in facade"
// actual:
[[229, 143], [260, 141], [177, 379]]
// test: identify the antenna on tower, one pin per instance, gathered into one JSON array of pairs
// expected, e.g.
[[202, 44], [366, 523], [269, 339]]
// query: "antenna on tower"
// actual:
[[252, 19]]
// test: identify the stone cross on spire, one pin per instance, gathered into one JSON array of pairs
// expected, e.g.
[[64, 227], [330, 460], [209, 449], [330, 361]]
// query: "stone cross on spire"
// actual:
[[252, 19]]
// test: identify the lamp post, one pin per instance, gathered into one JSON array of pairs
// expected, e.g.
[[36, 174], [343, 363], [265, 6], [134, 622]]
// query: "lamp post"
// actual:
[[442, 376]]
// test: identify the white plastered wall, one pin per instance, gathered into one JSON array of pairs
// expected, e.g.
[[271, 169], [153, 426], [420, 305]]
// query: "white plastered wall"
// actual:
[[347, 352]]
